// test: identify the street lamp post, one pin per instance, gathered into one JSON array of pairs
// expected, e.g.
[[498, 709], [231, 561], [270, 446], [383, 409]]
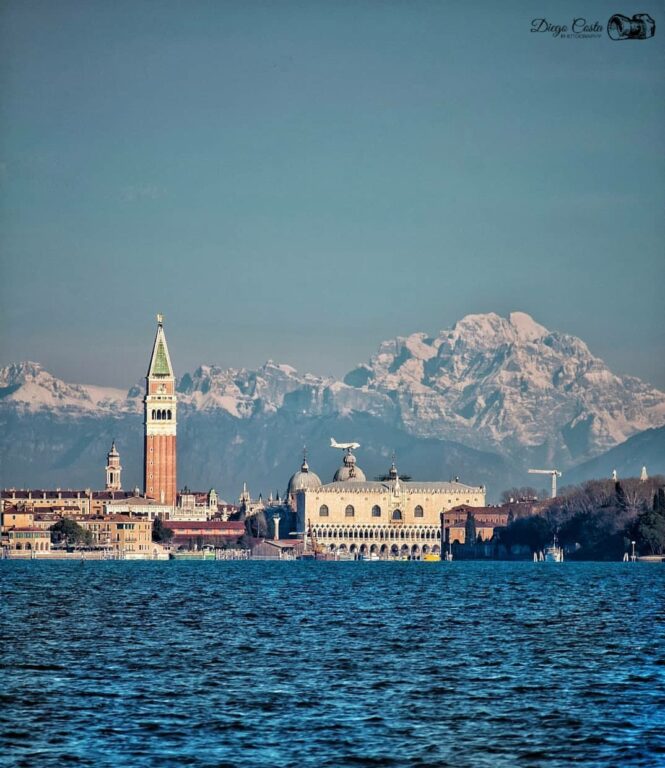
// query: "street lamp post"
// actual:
[[632, 557]]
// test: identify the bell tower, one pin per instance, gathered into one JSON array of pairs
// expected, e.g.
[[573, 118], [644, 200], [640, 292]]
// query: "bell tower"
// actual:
[[113, 470], [159, 469]]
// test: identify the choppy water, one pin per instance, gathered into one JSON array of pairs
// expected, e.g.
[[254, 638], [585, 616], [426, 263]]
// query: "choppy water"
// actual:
[[332, 664]]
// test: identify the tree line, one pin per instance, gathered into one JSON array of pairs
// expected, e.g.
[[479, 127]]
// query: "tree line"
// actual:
[[597, 520]]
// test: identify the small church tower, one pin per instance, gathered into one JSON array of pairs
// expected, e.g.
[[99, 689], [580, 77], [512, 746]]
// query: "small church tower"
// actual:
[[113, 470]]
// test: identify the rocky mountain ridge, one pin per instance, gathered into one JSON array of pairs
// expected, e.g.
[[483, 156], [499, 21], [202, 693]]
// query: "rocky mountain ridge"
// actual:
[[503, 386]]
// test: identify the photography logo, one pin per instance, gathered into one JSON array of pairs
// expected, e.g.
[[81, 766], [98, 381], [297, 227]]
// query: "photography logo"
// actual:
[[640, 27]]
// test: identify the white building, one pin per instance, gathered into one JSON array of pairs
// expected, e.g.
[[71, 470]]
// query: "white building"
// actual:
[[389, 518]]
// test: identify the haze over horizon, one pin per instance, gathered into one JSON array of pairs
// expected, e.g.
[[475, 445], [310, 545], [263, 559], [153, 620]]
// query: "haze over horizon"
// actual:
[[301, 182]]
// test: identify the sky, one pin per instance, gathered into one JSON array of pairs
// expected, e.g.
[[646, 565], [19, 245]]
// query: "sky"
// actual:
[[299, 181]]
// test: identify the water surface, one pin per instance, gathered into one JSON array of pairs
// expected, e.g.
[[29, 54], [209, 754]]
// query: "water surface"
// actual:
[[332, 664]]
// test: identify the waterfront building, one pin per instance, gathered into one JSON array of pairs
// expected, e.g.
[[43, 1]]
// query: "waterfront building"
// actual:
[[121, 534], [160, 420], [389, 518], [137, 506], [67, 503], [486, 520], [113, 470], [19, 533], [277, 549], [197, 534], [14, 517], [26, 539]]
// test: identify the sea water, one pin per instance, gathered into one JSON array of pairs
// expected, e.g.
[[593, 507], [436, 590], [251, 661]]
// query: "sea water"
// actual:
[[332, 664]]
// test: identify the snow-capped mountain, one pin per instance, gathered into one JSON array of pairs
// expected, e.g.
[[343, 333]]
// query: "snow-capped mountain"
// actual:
[[27, 387], [504, 386], [508, 384]]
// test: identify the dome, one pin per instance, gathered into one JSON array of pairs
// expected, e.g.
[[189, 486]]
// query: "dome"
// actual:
[[349, 472], [303, 479]]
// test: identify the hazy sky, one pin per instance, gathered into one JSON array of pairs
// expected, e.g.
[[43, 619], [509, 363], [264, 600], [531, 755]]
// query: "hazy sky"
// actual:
[[300, 180]]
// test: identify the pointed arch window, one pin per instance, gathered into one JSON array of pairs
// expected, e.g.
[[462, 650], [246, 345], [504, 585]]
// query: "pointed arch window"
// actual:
[[397, 514], [418, 511], [376, 511], [350, 511], [323, 511]]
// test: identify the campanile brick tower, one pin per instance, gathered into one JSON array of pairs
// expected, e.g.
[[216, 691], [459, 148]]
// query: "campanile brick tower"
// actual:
[[159, 472]]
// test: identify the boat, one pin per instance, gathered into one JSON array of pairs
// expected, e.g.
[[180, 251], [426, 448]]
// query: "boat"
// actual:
[[431, 558], [345, 556], [554, 553]]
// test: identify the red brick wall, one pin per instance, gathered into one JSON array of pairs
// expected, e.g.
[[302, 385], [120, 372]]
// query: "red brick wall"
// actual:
[[160, 463]]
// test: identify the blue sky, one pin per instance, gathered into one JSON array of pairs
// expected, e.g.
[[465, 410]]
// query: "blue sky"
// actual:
[[301, 180]]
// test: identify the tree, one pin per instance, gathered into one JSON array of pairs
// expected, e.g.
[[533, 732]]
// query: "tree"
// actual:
[[256, 525], [533, 532], [70, 533], [659, 501], [525, 493], [470, 529], [160, 533], [650, 532]]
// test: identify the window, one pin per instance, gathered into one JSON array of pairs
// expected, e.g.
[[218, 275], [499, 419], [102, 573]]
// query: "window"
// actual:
[[418, 511], [323, 511], [397, 514], [376, 511], [350, 511]]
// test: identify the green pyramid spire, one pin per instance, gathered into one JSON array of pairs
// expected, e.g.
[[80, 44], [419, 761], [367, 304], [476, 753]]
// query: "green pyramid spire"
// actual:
[[160, 366], [160, 362]]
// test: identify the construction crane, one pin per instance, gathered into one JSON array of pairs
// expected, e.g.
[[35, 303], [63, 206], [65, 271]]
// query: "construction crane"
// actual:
[[554, 473]]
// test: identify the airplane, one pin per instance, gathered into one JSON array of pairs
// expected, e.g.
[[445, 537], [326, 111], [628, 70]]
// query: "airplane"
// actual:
[[343, 446]]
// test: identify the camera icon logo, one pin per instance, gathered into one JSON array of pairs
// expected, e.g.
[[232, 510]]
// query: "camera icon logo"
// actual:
[[640, 27]]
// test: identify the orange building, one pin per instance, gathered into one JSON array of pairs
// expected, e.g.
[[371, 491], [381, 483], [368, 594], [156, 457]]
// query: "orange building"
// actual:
[[159, 473], [121, 533], [486, 520], [194, 534]]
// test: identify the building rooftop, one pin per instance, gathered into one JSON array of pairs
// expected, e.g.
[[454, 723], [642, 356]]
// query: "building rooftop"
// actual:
[[137, 501], [379, 486], [204, 525]]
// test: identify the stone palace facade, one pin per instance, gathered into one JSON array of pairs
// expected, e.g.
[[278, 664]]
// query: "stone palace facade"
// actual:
[[389, 518]]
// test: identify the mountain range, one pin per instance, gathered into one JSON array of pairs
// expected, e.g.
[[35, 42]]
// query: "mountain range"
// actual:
[[483, 400]]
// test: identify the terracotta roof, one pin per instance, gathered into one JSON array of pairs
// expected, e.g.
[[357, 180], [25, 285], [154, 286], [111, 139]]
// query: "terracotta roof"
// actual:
[[113, 519], [26, 528], [139, 501], [116, 495]]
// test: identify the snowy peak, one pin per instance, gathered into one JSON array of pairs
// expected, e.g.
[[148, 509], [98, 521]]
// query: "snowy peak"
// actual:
[[526, 327], [28, 386], [240, 392], [508, 383]]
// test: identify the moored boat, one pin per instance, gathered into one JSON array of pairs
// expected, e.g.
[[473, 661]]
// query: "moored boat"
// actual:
[[554, 553]]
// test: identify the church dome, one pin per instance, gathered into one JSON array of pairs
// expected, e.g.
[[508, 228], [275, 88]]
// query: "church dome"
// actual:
[[303, 479], [349, 472]]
